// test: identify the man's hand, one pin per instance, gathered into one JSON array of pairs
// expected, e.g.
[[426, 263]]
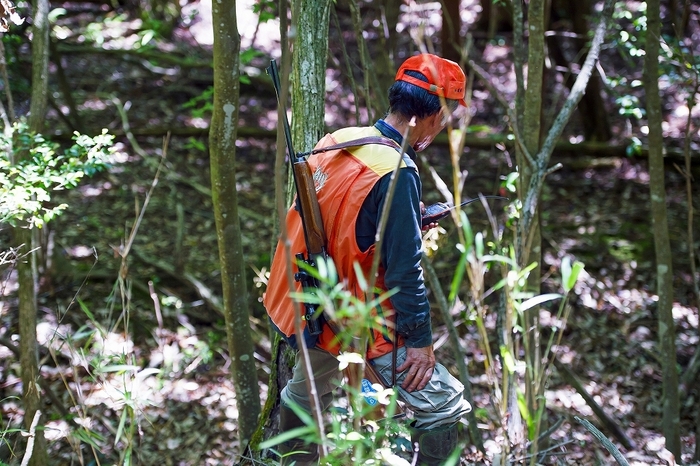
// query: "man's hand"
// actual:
[[419, 365], [430, 225]]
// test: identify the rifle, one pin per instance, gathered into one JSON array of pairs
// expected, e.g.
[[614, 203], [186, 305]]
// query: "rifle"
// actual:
[[440, 210], [316, 242], [310, 212]]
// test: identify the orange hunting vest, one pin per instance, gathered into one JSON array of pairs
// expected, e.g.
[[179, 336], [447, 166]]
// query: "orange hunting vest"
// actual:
[[343, 178]]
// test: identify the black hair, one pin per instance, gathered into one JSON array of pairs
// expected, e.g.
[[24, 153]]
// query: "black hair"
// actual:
[[410, 100]]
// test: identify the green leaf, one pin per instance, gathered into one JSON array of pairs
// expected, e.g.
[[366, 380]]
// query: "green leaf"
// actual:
[[117, 368], [500, 259], [299, 432], [89, 437], [522, 406], [120, 428], [360, 275], [537, 300], [508, 359], [147, 37], [479, 245], [458, 276], [575, 272]]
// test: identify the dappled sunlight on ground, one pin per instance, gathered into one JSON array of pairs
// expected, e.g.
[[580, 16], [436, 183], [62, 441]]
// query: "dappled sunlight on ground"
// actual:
[[158, 400]]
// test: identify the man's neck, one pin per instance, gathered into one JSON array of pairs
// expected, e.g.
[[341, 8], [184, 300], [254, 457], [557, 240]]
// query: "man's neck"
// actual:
[[422, 129], [397, 122]]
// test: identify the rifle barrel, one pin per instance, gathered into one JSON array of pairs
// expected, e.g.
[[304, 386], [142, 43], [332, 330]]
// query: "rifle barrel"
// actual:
[[273, 71]]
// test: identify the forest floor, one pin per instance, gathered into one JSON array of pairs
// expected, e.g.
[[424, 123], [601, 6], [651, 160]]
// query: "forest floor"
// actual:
[[133, 347]]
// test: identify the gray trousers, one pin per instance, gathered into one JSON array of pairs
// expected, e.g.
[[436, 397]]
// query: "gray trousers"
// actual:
[[439, 403]]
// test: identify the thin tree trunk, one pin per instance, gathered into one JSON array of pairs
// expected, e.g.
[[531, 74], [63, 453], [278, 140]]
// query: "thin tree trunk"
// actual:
[[696, 456], [377, 101], [662, 243], [529, 249], [514, 427], [282, 355], [529, 243], [388, 11], [222, 149], [593, 115], [31, 393], [449, 34], [312, 18], [26, 268], [308, 91], [533, 160]]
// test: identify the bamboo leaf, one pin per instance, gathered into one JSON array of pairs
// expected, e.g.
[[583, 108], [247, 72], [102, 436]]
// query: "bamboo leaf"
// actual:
[[458, 276], [120, 428], [288, 435], [537, 300], [570, 280]]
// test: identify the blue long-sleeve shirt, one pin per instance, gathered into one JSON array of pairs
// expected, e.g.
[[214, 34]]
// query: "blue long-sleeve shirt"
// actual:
[[402, 246]]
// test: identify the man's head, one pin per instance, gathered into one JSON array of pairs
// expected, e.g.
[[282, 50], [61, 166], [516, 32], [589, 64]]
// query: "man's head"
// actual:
[[422, 84]]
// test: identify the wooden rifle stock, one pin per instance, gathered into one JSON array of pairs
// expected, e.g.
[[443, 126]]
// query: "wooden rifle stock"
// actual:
[[311, 211], [315, 238]]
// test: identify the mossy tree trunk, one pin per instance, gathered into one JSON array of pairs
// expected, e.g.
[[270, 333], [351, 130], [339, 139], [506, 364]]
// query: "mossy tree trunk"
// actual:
[[308, 86], [282, 355], [222, 151], [662, 243]]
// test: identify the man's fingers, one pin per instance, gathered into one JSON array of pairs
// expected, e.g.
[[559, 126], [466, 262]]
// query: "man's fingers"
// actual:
[[417, 368], [426, 378], [429, 226], [410, 381], [417, 380], [403, 367]]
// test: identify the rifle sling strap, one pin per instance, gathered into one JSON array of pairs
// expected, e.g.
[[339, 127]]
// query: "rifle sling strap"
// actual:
[[356, 143]]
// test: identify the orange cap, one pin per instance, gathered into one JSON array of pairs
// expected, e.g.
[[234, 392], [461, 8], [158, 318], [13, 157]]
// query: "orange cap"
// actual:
[[445, 77]]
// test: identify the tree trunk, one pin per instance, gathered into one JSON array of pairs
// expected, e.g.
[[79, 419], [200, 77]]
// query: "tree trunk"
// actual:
[[222, 149], [594, 116], [376, 98], [530, 249], [282, 355], [31, 394], [533, 160], [662, 244], [494, 17], [308, 91], [308, 85], [388, 11], [308, 97], [529, 235], [449, 34]]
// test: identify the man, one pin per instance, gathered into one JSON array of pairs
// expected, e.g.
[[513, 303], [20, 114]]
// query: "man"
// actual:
[[352, 187]]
